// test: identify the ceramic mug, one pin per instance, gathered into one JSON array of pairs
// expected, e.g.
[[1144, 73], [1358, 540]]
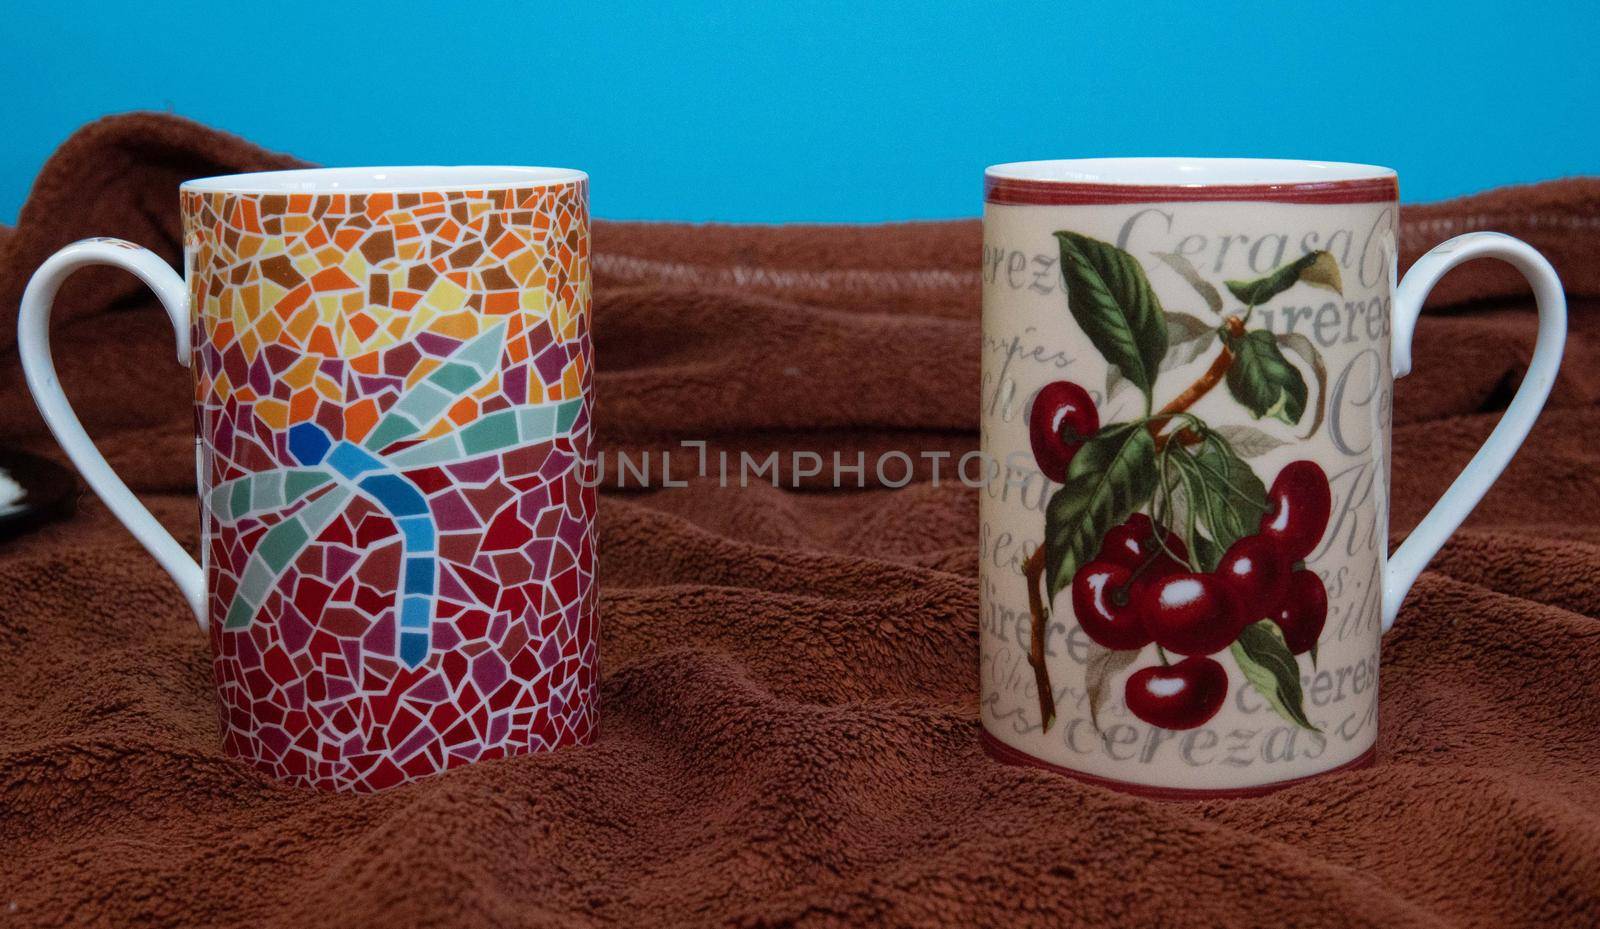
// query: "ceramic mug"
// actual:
[[392, 372], [1187, 373]]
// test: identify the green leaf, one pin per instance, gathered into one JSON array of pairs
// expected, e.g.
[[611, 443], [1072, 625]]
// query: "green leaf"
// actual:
[[1170, 502], [1206, 552], [1187, 338], [1239, 497], [1114, 382], [1223, 493], [1272, 670], [1319, 269], [1186, 270], [1110, 478], [1323, 272], [1263, 380], [1102, 666], [1302, 346], [1110, 297], [1181, 493], [1248, 441]]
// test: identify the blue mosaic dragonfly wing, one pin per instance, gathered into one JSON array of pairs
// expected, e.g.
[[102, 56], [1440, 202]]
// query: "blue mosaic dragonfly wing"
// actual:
[[421, 406], [277, 550], [493, 433], [264, 492]]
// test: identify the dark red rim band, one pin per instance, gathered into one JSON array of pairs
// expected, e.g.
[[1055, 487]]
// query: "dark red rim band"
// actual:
[[1000, 751], [1015, 191]]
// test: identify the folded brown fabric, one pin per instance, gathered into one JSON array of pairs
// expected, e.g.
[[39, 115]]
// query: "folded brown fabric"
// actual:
[[789, 718]]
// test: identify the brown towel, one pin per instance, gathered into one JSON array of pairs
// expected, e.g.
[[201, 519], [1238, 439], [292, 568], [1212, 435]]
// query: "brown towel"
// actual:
[[789, 718]]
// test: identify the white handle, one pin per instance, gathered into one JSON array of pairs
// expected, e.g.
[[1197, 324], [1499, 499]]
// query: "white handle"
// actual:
[[1446, 515], [33, 342]]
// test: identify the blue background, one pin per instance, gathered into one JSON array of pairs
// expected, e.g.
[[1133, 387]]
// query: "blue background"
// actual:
[[852, 111]]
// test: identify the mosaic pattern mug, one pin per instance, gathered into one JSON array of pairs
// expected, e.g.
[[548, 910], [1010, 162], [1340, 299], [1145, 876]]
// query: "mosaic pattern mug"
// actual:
[[1187, 373], [392, 372]]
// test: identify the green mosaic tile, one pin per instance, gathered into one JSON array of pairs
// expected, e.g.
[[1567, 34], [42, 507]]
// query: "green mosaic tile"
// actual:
[[490, 434], [281, 543], [297, 484]]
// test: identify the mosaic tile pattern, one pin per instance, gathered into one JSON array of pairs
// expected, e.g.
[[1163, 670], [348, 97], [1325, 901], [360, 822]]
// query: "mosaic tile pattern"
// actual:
[[393, 394]]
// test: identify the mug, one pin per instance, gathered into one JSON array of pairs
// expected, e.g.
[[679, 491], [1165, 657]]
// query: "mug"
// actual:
[[392, 377], [1188, 366]]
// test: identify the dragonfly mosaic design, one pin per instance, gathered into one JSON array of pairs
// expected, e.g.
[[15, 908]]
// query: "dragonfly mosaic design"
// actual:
[[374, 469]]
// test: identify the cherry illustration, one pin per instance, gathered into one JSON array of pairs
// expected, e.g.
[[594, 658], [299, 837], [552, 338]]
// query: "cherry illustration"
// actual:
[[1159, 568], [1297, 509], [1180, 696], [1304, 611], [1189, 613], [1062, 419], [1257, 575], [1133, 543], [1102, 601]]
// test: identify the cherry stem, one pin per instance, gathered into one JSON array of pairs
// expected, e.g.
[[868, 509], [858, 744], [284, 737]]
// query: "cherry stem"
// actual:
[[1145, 565], [1192, 394], [1162, 654], [1033, 570]]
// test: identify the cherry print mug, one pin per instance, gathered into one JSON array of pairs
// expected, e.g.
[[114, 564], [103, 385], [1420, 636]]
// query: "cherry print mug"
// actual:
[[1187, 373], [392, 372]]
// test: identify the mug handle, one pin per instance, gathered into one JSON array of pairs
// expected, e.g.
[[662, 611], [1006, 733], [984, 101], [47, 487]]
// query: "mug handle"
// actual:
[[33, 344], [1491, 459]]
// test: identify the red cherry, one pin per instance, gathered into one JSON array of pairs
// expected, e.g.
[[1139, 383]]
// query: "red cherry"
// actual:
[[1256, 574], [1102, 602], [1062, 419], [1161, 567], [1134, 542], [1304, 612], [1297, 509], [1188, 613], [1181, 696]]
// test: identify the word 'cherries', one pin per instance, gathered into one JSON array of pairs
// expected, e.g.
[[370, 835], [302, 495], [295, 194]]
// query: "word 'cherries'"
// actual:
[[1062, 419], [1180, 696]]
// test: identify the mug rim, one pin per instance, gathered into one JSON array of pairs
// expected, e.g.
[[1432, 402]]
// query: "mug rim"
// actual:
[[1185, 171], [1090, 181], [397, 179]]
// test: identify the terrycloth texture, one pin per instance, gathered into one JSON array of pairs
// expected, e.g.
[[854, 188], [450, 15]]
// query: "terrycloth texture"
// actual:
[[789, 715]]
